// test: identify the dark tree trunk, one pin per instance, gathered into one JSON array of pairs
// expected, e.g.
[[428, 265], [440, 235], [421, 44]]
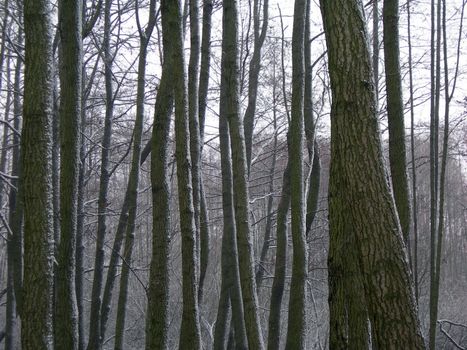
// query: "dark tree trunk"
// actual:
[[358, 181], [36, 142], [66, 317]]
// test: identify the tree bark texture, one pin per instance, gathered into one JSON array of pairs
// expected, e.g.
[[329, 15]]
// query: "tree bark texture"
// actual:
[[296, 331], [190, 337], [358, 181], [395, 107], [70, 25], [36, 317], [230, 79]]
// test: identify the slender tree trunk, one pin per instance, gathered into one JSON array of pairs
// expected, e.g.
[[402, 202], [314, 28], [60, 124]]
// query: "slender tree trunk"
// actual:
[[157, 316], [94, 323], [190, 328], [239, 171], [202, 103], [253, 74], [358, 181], [296, 331], [230, 287], [66, 318], [133, 180], [395, 107], [36, 317], [412, 153], [313, 154], [278, 284], [434, 162]]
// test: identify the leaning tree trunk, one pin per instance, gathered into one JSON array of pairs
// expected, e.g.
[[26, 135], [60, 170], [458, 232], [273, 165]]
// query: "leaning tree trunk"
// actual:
[[94, 323], [66, 317], [36, 142], [358, 181], [133, 181], [190, 337], [239, 170]]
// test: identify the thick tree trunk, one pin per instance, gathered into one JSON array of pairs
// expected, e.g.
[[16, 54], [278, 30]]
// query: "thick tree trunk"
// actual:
[[36, 317], [239, 171], [66, 317], [358, 181]]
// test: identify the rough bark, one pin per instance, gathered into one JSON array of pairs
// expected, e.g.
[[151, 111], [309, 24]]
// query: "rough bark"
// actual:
[[66, 317], [157, 316], [358, 180], [296, 331], [395, 108], [230, 79], [190, 327], [36, 316]]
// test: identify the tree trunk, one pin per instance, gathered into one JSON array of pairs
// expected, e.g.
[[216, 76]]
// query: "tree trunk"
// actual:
[[94, 323], [230, 287], [278, 284], [66, 318], [190, 328], [358, 181], [395, 107], [296, 331], [36, 148], [239, 171], [253, 74], [157, 316], [133, 181]]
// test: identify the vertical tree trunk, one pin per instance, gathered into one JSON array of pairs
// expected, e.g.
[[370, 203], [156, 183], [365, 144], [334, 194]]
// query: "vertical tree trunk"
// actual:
[[231, 286], [395, 107], [66, 318], [358, 181], [190, 328], [94, 323], [36, 332], [239, 171], [296, 331], [253, 74], [278, 284], [157, 316]]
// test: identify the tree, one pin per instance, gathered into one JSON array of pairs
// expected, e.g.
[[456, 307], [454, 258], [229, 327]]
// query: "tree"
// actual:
[[66, 319], [95, 315], [358, 181], [190, 328], [36, 316], [297, 309], [230, 79], [395, 107]]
